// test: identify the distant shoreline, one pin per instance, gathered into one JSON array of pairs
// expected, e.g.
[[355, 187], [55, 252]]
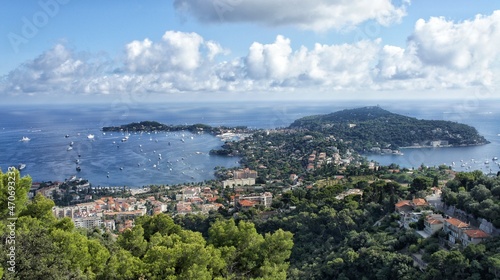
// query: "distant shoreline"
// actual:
[[442, 146]]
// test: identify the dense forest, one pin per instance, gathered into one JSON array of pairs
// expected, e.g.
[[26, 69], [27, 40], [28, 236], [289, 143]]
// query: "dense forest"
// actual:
[[475, 193], [370, 127]]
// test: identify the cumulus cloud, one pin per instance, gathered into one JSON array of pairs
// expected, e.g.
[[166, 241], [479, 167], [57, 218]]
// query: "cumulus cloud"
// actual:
[[176, 51], [439, 54], [338, 66], [54, 70], [446, 54], [316, 15], [457, 45]]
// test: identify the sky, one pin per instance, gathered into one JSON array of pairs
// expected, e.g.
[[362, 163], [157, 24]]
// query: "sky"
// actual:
[[68, 51]]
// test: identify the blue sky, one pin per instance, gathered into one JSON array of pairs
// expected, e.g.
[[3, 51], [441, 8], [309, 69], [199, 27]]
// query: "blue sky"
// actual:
[[79, 51]]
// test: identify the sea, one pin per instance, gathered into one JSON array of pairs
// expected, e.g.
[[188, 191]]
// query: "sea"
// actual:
[[64, 137]]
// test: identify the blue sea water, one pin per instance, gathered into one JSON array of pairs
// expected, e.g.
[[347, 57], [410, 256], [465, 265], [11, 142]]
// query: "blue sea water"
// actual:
[[149, 159]]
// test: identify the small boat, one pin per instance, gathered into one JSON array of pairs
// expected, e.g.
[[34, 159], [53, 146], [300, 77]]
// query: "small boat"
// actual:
[[78, 168], [71, 143], [77, 161], [486, 162], [21, 166], [90, 136], [121, 168], [69, 148], [125, 139], [25, 139], [67, 136], [495, 158]]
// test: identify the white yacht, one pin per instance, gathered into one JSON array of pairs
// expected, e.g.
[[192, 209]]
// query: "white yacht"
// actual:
[[25, 139], [90, 136]]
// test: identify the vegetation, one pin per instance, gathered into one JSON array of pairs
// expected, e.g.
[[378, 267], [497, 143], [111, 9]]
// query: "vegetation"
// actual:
[[475, 193], [311, 235], [150, 126], [371, 127], [156, 248]]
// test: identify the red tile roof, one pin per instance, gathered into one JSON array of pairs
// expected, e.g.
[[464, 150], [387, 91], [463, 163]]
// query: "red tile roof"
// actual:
[[419, 202], [434, 221], [457, 223], [402, 203], [476, 233], [247, 203]]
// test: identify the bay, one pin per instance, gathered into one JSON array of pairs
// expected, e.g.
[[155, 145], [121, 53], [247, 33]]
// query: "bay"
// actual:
[[106, 161]]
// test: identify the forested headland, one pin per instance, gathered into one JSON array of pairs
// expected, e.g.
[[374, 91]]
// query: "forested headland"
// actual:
[[370, 127]]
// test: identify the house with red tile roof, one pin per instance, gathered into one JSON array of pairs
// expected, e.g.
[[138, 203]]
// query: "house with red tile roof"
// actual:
[[410, 205], [403, 206], [433, 224], [417, 202], [473, 236], [246, 204], [454, 228]]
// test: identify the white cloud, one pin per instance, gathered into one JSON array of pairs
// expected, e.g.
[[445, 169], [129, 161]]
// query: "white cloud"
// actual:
[[316, 15], [458, 45], [269, 60], [54, 70], [176, 51], [333, 66], [440, 54], [444, 54]]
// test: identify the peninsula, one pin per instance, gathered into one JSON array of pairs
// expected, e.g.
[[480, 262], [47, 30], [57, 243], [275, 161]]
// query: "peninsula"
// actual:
[[373, 128], [150, 126]]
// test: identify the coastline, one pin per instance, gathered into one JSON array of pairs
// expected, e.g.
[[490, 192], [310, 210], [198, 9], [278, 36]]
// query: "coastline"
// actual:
[[442, 146]]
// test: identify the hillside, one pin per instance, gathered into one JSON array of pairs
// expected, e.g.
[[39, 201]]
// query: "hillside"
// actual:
[[374, 127]]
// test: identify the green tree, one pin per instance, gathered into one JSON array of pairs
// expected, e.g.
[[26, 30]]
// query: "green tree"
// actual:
[[123, 265], [40, 208], [249, 254], [133, 241], [420, 184], [13, 193], [183, 256]]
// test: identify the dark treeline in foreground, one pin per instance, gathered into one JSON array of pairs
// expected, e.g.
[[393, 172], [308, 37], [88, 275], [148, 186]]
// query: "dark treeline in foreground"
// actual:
[[309, 233]]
